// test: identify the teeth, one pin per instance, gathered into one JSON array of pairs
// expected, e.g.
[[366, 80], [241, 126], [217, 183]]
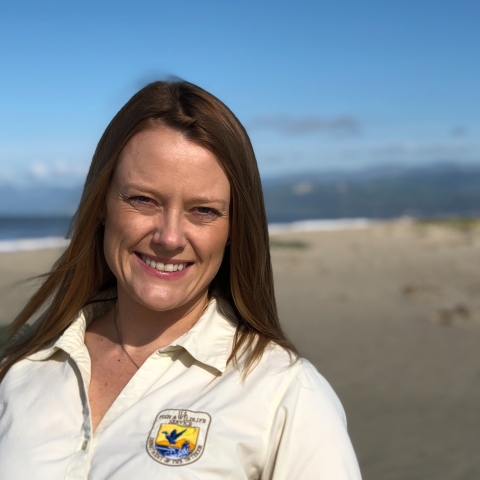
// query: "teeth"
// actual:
[[164, 267]]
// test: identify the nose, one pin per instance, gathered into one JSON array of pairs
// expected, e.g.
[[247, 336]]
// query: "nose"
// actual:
[[169, 231]]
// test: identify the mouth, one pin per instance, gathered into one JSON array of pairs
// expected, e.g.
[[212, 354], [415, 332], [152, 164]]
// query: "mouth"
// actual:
[[167, 266]]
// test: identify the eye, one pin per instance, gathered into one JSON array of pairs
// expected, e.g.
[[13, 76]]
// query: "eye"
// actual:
[[206, 213], [141, 201], [204, 210]]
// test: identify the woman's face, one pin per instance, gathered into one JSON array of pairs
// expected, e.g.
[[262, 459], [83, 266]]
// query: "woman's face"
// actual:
[[167, 220]]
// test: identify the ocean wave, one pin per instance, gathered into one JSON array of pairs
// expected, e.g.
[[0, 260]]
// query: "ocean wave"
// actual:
[[321, 225], [29, 244]]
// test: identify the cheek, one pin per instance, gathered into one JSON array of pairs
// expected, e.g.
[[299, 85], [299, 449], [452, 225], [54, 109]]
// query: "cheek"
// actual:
[[123, 227], [123, 232], [214, 244]]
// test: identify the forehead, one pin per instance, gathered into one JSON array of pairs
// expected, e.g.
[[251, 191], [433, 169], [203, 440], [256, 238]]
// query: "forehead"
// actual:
[[161, 156]]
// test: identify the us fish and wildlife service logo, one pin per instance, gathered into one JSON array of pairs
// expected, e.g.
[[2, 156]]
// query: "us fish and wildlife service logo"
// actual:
[[178, 436]]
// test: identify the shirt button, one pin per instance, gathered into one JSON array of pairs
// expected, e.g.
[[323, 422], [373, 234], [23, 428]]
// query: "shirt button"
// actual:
[[84, 445]]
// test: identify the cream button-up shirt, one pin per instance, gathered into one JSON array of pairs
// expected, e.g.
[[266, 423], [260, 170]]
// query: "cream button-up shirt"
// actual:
[[184, 415]]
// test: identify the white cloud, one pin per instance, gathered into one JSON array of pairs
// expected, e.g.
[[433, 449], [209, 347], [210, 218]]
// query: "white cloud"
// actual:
[[60, 171], [57, 173], [302, 188], [361, 152], [39, 171]]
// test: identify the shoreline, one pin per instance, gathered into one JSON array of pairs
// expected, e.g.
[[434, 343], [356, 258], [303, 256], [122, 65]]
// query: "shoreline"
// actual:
[[300, 226], [55, 242]]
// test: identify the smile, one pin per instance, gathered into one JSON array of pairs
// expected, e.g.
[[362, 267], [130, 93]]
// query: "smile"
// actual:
[[164, 267]]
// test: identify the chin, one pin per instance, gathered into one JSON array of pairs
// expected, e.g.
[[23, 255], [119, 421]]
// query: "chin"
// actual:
[[161, 304], [163, 301]]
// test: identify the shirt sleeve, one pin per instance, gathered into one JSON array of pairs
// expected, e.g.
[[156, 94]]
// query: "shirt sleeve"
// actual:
[[309, 438]]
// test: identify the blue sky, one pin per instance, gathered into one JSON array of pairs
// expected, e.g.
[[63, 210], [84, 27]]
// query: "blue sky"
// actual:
[[319, 85]]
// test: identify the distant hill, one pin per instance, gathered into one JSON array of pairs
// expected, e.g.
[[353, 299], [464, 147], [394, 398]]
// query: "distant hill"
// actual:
[[428, 191], [388, 191]]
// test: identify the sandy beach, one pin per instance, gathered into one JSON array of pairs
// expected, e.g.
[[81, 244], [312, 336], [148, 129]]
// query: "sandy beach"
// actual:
[[390, 315]]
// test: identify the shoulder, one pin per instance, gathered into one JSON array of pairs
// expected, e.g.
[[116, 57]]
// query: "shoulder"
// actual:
[[294, 382], [291, 368], [305, 402]]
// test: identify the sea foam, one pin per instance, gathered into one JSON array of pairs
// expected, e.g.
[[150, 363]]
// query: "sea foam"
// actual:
[[321, 225], [29, 244]]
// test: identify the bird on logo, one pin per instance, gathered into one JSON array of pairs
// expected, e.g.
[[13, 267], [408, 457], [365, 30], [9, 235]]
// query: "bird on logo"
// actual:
[[172, 437]]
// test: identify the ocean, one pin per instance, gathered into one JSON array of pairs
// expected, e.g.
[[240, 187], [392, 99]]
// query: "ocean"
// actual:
[[32, 233], [38, 233]]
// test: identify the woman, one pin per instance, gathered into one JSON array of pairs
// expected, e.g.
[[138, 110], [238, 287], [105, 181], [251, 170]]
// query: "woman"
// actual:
[[157, 352]]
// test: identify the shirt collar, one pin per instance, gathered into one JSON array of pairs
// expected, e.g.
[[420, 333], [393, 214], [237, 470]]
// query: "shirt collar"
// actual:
[[209, 341], [73, 338]]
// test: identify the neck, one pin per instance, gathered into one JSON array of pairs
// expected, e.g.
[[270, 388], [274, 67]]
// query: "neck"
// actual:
[[142, 327]]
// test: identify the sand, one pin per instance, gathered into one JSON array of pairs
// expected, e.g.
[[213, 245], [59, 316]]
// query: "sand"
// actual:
[[390, 315], [17, 279]]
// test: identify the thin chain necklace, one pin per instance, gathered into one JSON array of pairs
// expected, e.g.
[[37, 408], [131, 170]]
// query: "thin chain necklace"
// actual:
[[120, 338]]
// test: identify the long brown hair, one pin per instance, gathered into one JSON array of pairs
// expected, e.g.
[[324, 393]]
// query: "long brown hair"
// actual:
[[245, 277]]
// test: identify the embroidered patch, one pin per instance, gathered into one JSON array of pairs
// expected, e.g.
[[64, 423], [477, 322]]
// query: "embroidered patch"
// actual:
[[178, 436]]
